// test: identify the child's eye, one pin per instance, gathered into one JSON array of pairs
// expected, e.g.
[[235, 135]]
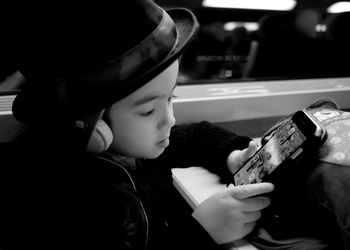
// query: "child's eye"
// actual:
[[172, 97], [147, 113]]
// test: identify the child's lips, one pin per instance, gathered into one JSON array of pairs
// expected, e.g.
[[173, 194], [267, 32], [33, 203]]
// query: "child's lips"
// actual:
[[164, 143]]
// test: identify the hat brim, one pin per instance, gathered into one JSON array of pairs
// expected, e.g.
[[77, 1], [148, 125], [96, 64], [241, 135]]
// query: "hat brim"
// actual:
[[187, 27], [38, 102]]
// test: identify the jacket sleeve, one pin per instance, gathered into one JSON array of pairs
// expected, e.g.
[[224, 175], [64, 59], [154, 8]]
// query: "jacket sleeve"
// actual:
[[201, 144]]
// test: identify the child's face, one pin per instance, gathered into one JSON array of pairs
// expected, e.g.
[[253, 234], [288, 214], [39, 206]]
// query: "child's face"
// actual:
[[141, 122]]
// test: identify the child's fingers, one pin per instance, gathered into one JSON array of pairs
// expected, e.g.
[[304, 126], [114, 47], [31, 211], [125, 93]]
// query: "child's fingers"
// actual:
[[249, 151], [250, 190]]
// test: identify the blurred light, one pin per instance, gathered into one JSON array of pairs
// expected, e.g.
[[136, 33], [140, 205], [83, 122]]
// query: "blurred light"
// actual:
[[339, 7], [251, 4], [321, 28], [250, 26]]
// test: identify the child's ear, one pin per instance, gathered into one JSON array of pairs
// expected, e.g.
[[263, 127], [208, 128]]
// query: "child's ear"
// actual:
[[101, 138]]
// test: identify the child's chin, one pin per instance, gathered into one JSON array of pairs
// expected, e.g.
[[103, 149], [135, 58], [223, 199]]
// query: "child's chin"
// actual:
[[155, 154]]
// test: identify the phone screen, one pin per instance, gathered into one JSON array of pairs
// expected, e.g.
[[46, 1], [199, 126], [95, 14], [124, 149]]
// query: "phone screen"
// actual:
[[284, 143]]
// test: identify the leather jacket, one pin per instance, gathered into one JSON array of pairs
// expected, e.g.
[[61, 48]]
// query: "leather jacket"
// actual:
[[60, 198]]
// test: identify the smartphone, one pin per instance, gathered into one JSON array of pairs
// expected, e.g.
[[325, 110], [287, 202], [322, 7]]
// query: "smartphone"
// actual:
[[300, 134]]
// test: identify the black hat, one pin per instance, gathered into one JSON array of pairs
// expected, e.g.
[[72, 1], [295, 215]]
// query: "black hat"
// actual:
[[80, 58]]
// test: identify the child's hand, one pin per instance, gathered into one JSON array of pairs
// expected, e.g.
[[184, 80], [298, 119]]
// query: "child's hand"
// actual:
[[231, 214], [238, 157]]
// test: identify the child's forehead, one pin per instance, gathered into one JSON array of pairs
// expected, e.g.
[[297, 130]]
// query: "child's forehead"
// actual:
[[151, 92], [162, 84]]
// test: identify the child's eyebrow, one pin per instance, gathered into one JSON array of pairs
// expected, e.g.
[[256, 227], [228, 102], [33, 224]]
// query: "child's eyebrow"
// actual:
[[145, 99], [149, 98]]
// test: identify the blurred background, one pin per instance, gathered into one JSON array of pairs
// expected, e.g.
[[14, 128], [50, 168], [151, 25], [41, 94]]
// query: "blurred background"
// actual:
[[249, 40], [265, 40]]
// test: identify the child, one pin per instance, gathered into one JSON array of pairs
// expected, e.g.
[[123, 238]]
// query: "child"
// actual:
[[92, 168]]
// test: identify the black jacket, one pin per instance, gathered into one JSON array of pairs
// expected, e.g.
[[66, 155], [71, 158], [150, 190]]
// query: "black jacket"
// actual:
[[54, 197]]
